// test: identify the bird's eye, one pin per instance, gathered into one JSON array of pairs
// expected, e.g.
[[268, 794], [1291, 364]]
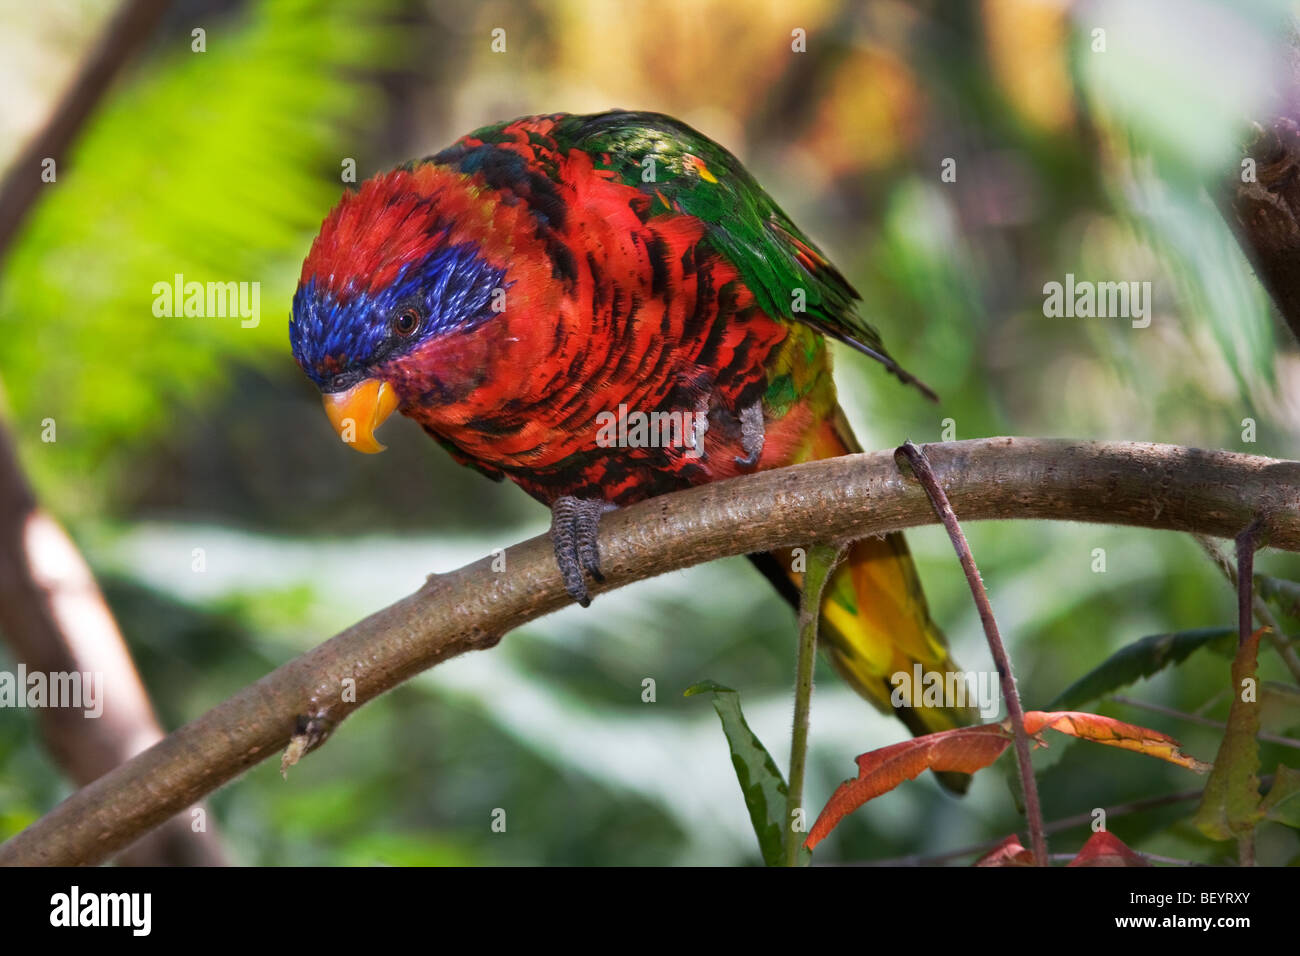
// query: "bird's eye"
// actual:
[[406, 322]]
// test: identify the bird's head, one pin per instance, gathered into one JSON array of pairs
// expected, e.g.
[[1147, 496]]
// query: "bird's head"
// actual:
[[390, 298]]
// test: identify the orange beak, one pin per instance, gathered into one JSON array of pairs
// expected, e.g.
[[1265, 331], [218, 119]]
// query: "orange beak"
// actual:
[[356, 413]]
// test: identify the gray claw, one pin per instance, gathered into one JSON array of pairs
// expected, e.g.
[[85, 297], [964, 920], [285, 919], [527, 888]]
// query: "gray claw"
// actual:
[[575, 523], [751, 434]]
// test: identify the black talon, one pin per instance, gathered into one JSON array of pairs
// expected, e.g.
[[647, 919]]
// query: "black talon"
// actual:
[[751, 434], [575, 524]]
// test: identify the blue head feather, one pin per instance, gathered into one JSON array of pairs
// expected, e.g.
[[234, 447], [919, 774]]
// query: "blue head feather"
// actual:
[[337, 337]]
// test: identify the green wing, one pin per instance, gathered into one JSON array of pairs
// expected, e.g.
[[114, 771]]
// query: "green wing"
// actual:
[[692, 174]]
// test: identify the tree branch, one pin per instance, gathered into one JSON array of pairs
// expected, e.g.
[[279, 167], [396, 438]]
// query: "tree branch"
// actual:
[[53, 615], [1143, 485], [126, 33]]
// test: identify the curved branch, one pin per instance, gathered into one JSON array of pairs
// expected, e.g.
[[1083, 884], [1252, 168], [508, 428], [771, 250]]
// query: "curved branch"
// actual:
[[1127, 483]]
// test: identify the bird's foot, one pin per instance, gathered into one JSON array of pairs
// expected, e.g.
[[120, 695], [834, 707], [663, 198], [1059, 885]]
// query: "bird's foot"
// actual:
[[574, 526], [751, 434]]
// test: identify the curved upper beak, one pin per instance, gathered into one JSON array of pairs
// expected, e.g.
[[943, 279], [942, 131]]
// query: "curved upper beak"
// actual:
[[356, 413]]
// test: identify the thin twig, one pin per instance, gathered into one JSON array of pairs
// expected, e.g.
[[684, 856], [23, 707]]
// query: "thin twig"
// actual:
[[1276, 634], [821, 562], [126, 33], [1246, 848], [1246, 582], [1245, 627], [920, 466], [1213, 701], [1130, 483]]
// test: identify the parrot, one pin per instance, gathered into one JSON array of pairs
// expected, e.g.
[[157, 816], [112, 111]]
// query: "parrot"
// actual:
[[521, 290]]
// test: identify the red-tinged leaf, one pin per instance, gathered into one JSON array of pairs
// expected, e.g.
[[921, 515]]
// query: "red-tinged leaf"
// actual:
[[1230, 805], [963, 750], [1105, 849], [1112, 733], [1010, 852], [968, 749]]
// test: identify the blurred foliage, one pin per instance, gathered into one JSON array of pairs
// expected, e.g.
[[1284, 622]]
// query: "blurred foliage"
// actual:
[[211, 165], [175, 434]]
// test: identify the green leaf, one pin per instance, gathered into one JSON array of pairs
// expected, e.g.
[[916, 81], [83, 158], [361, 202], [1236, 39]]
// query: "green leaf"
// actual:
[[761, 782], [1137, 660], [1282, 805], [218, 167], [1230, 805]]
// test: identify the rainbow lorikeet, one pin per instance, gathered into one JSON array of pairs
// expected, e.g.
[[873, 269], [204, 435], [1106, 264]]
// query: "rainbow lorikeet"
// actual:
[[518, 291]]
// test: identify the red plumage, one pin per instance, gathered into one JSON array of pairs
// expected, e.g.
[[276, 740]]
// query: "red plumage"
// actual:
[[521, 395], [515, 291]]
